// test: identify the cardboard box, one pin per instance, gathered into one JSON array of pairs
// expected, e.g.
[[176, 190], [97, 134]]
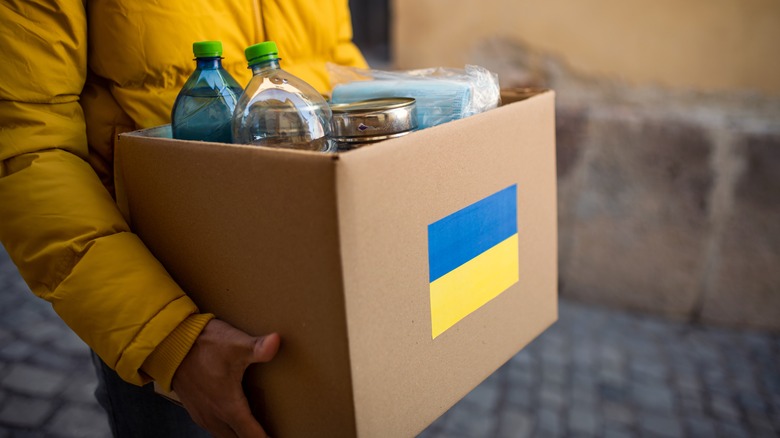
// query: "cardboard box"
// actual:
[[399, 275]]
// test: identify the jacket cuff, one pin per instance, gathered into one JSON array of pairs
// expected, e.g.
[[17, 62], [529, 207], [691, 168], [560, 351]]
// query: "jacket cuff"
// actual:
[[165, 359]]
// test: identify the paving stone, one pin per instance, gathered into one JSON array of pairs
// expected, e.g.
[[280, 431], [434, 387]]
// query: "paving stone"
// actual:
[[15, 351], [724, 408], [611, 431], [554, 374], [584, 420], [549, 422], [584, 395], [552, 397], [8, 300], [522, 358], [687, 382], [700, 427], [661, 425], [618, 413], [46, 358], [5, 337], [515, 424], [614, 393], [584, 356], [25, 412], [437, 426], [522, 375], [520, 397], [44, 331], [764, 433], [21, 319], [554, 340], [81, 390], [484, 396], [733, 430], [649, 371], [762, 427], [430, 432], [691, 405], [26, 433], [466, 423], [656, 398], [771, 382], [751, 402], [611, 355], [584, 378], [775, 400], [714, 377], [612, 377], [70, 343], [703, 352], [495, 379], [32, 380], [79, 422]]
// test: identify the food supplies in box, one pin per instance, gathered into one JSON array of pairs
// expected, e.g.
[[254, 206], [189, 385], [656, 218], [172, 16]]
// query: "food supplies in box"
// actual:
[[442, 94]]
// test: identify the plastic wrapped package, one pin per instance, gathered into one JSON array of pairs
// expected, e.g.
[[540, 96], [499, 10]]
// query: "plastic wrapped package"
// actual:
[[442, 94]]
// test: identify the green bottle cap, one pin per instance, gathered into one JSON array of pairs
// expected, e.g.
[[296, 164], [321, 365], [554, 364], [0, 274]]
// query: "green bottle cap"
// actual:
[[258, 53], [207, 49]]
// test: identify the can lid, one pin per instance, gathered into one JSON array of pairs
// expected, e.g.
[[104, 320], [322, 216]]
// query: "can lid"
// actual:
[[265, 51], [207, 49], [374, 118]]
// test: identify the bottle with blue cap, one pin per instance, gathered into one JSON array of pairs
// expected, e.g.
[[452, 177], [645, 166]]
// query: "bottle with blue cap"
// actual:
[[279, 109], [204, 107]]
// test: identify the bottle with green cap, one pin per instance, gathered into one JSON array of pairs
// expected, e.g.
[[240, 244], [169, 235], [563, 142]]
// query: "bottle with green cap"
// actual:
[[278, 109], [204, 107]]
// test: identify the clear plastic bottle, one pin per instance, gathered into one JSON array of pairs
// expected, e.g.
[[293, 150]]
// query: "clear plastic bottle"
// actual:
[[204, 107], [278, 109]]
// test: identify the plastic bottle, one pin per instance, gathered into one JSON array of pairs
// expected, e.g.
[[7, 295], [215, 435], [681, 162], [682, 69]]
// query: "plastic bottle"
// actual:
[[204, 107], [278, 109]]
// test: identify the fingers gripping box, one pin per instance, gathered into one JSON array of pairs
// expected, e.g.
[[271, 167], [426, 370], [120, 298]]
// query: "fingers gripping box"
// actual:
[[399, 275]]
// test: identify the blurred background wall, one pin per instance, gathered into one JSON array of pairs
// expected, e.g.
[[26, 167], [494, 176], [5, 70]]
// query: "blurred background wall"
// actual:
[[668, 132]]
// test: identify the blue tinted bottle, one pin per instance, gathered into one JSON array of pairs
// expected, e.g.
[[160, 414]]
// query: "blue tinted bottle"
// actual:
[[204, 107]]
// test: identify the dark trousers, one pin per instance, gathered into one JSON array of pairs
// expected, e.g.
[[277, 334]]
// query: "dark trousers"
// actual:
[[137, 412]]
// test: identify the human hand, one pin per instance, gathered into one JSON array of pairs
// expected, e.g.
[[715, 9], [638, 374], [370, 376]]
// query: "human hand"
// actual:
[[208, 380]]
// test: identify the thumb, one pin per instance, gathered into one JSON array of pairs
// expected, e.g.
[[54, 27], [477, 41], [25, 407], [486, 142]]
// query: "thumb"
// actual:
[[265, 348]]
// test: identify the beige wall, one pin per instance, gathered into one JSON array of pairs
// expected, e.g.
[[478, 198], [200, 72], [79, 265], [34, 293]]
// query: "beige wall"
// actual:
[[707, 45]]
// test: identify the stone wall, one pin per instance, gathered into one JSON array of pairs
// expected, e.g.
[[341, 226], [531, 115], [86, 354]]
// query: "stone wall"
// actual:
[[716, 45], [669, 201], [668, 125]]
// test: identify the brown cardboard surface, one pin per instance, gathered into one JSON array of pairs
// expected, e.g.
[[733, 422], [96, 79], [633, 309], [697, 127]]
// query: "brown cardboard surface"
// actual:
[[331, 252]]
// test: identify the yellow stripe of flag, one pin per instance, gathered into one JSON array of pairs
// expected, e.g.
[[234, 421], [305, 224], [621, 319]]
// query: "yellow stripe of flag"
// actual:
[[471, 285]]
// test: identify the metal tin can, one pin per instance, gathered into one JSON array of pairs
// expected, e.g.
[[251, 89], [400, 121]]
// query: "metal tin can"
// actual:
[[364, 122]]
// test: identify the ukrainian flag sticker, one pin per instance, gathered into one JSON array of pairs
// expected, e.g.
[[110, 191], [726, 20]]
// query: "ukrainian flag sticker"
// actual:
[[472, 257]]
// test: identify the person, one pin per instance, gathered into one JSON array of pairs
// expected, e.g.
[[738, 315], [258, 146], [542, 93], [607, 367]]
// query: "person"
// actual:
[[76, 73]]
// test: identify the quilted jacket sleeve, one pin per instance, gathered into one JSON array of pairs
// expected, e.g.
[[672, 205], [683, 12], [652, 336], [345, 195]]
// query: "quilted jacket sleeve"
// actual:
[[57, 221]]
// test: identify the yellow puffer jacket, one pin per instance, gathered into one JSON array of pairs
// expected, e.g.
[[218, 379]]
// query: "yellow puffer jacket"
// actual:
[[75, 73]]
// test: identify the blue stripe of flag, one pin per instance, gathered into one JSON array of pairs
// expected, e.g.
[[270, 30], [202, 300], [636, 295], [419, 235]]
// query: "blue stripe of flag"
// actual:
[[467, 233]]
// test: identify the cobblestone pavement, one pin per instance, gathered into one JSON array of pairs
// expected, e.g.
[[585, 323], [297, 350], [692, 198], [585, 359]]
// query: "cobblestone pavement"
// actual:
[[596, 372]]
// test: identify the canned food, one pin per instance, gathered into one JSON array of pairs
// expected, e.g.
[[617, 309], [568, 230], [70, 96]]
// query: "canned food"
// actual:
[[364, 122]]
